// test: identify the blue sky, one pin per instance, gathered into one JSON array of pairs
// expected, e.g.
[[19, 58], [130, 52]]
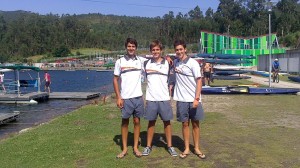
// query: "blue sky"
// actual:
[[143, 8]]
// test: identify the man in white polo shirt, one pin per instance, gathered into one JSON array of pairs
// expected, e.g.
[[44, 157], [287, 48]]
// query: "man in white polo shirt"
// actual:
[[129, 70], [187, 93], [158, 96]]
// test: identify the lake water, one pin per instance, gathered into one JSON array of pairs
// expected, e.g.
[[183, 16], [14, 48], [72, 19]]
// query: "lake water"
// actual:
[[62, 81]]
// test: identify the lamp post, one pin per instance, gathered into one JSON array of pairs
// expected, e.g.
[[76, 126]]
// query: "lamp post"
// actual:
[[270, 45]]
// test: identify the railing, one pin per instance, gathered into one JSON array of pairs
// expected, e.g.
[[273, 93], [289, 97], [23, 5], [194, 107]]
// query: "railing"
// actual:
[[13, 87]]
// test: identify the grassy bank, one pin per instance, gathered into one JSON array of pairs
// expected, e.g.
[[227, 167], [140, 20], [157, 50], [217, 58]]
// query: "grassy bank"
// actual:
[[238, 131]]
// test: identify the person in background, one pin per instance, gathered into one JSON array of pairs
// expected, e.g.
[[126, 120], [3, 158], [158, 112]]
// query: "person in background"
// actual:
[[47, 79], [158, 102], [207, 73], [2, 81], [172, 78], [128, 71], [187, 93], [275, 67]]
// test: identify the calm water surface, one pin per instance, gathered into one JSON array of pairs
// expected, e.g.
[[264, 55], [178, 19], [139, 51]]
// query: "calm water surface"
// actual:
[[62, 81]]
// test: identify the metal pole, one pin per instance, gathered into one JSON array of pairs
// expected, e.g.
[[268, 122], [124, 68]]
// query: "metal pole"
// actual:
[[39, 82], [270, 47]]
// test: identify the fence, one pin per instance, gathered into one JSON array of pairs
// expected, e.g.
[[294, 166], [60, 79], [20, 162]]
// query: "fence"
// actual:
[[289, 61]]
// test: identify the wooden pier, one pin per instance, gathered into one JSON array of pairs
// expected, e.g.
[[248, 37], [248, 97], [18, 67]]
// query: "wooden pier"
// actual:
[[8, 117], [74, 95], [24, 98], [34, 97]]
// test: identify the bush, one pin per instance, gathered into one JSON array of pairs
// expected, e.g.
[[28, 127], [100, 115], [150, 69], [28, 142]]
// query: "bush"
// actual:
[[62, 51]]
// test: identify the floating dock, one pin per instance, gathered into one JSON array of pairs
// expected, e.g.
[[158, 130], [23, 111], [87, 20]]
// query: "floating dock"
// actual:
[[35, 97], [24, 98], [74, 95], [8, 117]]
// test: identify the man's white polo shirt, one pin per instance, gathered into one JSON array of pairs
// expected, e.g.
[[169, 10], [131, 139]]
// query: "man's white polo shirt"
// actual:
[[157, 80], [187, 71], [130, 71]]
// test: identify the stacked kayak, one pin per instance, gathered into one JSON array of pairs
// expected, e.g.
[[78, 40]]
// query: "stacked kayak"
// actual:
[[229, 72], [227, 61], [227, 77], [260, 73], [225, 56], [226, 65]]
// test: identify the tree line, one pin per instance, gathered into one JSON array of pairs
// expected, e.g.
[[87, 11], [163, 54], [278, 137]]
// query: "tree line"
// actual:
[[24, 34]]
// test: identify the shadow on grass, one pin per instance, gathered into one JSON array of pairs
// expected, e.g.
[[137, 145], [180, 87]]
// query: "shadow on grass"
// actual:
[[159, 140]]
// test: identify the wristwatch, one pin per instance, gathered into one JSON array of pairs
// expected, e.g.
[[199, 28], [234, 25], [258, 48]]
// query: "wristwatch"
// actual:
[[197, 98]]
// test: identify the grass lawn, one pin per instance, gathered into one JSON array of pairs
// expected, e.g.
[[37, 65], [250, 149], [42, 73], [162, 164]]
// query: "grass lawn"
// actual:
[[238, 131]]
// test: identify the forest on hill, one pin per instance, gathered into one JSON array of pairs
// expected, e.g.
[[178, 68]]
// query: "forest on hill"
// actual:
[[24, 34]]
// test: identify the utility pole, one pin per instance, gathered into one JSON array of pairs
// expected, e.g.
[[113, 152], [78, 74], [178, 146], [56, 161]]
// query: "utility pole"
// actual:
[[269, 7]]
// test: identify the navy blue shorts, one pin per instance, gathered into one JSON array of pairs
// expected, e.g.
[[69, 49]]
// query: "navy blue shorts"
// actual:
[[133, 107], [185, 111], [161, 108]]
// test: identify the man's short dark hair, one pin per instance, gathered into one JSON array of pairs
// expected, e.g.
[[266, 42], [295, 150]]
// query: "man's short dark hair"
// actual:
[[131, 41], [179, 42]]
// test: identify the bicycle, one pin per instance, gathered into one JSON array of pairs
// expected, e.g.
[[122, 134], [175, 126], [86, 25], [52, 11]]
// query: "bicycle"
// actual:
[[276, 76]]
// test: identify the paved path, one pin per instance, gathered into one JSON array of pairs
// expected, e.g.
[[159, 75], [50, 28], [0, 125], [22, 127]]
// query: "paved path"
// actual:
[[265, 81]]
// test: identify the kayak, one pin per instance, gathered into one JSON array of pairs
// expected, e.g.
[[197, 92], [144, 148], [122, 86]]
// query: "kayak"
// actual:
[[247, 90], [294, 78], [225, 90], [260, 73], [228, 67], [258, 90], [227, 61], [229, 72]]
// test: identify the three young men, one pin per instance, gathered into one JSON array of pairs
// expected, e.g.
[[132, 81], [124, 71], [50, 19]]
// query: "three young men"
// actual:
[[187, 93]]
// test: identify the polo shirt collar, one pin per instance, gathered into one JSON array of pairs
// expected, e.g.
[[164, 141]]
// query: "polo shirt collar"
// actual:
[[128, 58], [185, 60], [162, 61]]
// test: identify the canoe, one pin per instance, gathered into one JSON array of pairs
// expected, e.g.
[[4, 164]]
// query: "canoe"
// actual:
[[294, 78], [258, 90], [225, 56], [230, 77]]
